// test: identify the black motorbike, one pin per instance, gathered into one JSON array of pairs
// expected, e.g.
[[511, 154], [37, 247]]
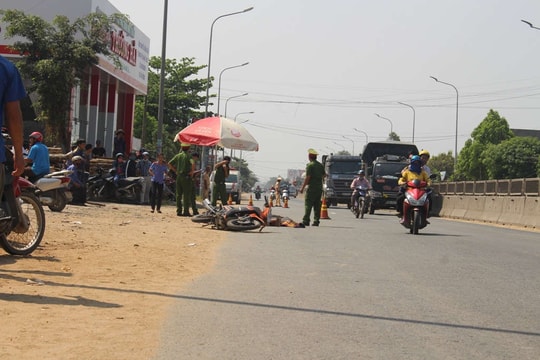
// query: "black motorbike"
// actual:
[[258, 194], [102, 187], [234, 218], [361, 202]]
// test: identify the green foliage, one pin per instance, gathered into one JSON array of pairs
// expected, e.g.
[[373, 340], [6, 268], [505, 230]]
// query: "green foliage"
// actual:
[[442, 162], [183, 96], [56, 56], [248, 177], [513, 158], [393, 136], [493, 130]]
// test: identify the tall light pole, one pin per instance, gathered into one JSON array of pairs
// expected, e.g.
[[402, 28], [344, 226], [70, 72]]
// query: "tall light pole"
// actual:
[[352, 141], [210, 54], [413, 117], [219, 84], [232, 97], [159, 142], [457, 118], [390, 121], [247, 112], [343, 147], [530, 24], [363, 132]]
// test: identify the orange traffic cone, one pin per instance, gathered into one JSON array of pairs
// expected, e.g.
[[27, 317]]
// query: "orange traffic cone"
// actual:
[[285, 203], [250, 203], [324, 210], [229, 202]]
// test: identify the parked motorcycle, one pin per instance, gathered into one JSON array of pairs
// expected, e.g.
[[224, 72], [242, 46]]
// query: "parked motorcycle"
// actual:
[[361, 202], [52, 190], [102, 187], [234, 218], [415, 206]]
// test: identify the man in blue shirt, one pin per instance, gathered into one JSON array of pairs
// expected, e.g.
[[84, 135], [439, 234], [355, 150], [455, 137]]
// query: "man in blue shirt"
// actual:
[[38, 157], [11, 92]]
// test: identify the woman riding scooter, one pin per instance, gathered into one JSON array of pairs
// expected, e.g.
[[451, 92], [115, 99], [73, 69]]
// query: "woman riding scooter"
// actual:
[[413, 172]]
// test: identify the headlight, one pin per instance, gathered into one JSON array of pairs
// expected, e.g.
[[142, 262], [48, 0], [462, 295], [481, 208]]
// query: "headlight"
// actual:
[[329, 191]]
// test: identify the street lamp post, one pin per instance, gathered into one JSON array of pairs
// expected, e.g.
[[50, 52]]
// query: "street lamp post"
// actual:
[[457, 118], [210, 54], [247, 112], [531, 25], [413, 117], [219, 83], [363, 132], [232, 97], [352, 141], [159, 142], [390, 121], [343, 147]]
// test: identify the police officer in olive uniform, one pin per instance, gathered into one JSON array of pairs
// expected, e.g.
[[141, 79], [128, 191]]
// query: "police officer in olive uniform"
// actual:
[[184, 167], [314, 181]]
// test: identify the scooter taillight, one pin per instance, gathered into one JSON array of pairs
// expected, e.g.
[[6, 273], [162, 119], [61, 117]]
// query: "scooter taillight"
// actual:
[[65, 180]]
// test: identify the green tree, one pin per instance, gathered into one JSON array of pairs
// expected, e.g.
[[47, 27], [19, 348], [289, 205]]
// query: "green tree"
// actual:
[[55, 57], [513, 158], [442, 163], [493, 130], [183, 97], [393, 136]]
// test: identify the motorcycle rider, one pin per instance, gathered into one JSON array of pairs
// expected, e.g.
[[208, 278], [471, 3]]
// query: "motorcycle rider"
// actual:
[[413, 172], [38, 157], [358, 181], [424, 156], [258, 192]]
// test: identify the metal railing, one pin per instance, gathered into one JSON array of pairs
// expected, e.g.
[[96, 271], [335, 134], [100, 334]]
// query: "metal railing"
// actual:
[[507, 187]]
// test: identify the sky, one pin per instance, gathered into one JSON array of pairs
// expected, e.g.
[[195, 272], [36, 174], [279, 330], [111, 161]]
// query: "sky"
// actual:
[[318, 69]]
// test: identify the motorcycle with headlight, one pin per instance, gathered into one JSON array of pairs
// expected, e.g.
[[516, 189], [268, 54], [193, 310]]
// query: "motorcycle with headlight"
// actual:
[[416, 206]]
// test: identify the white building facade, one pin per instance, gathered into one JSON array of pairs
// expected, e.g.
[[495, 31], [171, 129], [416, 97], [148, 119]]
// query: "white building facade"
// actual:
[[105, 101]]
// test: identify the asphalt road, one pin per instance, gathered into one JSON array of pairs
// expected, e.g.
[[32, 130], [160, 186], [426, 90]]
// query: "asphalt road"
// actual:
[[363, 289]]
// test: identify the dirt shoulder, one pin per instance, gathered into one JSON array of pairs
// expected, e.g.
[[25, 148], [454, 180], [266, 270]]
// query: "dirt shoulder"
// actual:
[[100, 283]]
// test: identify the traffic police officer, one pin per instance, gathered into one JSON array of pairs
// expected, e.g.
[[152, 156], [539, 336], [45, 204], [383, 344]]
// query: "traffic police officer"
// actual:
[[314, 181]]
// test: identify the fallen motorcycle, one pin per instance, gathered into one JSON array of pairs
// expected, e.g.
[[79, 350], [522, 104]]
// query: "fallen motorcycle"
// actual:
[[415, 206], [52, 190], [234, 218]]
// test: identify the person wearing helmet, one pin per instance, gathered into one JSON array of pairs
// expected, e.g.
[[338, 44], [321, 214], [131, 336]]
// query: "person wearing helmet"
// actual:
[[315, 175], [424, 156], [277, 188], [119, 167], [38, 163], [413, 172], [78, 177], [358, 181]]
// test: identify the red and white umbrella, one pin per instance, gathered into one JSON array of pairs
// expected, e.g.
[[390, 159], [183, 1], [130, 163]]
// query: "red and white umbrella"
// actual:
[[220, 131]]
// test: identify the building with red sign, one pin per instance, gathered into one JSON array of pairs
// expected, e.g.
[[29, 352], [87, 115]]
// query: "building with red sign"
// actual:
[[106, 101]]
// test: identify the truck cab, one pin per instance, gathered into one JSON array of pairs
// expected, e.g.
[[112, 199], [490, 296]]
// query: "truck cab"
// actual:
[[384, 162], [340, 171]]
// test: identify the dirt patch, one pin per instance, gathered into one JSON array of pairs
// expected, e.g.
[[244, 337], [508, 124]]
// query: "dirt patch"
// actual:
[[100, 284]]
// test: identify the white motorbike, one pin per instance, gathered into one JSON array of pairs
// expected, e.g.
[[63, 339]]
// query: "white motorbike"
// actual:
[[52, 190]]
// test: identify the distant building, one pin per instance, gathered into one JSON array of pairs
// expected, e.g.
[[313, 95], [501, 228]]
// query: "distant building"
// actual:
[[526, 132], [107, 102]]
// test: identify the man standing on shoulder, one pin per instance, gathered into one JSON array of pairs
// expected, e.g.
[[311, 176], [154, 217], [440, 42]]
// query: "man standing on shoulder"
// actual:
[[314, 182], [182, 165], [222, 172], [11, 92]]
